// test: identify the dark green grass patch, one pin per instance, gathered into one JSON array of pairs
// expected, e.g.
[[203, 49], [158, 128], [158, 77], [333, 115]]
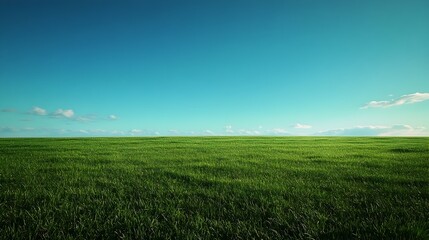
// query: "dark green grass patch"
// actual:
[[214, 188]]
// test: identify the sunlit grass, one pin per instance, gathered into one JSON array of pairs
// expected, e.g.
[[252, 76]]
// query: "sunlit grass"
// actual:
[[214, 187]]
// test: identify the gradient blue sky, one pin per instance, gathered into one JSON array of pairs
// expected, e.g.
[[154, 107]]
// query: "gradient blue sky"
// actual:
[[100, 68]]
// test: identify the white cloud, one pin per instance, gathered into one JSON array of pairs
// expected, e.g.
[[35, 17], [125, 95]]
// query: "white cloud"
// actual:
[[61, 113], [405, 130], [394, 130], [302, 126], [404, 99], [64, 113], [136, 131], [39, 111]]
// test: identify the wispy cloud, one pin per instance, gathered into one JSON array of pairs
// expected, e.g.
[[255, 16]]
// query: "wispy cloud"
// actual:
[[85, 118], [404, 99], [302, 126], [394, 130], [136, 131], [39, 111], [69, 113], [371, 130], [65, 114], [253, 132]]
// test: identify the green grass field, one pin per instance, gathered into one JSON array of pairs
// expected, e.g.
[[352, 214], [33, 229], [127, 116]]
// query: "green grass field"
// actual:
[[214, 187]]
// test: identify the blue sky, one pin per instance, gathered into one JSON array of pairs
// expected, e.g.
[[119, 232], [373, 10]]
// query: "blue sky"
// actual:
[[130, 68]]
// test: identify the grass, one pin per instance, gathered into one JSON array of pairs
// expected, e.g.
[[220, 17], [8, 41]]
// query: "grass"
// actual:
[[214, 187]]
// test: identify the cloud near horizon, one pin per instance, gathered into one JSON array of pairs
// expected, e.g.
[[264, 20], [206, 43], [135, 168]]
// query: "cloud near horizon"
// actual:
[[136, 132], [394, 130], [404, 99], [302, 126]]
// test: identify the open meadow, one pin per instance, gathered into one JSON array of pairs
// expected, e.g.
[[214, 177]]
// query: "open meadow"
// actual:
[[214, 188]]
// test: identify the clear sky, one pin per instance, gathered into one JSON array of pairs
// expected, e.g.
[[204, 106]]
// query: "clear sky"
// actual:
[[121, 68]]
